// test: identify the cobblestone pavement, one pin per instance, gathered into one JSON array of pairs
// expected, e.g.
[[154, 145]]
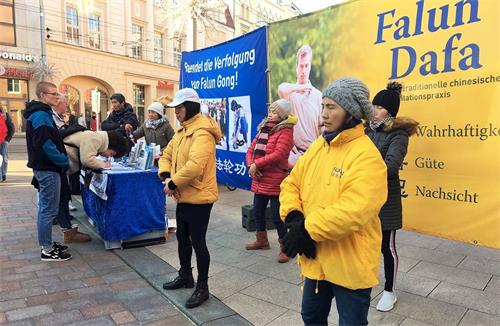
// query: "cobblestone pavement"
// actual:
[[96, 287], [439, 282]]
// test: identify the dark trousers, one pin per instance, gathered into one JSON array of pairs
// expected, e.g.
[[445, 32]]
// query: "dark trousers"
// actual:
[[63, 216], [74, 183], [192, 224], [352, 305], [390, 258], [259, 212]]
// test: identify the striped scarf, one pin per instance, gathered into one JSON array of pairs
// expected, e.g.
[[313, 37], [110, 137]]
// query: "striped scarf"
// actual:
[[374, 126], [262, 138], [153, 124]]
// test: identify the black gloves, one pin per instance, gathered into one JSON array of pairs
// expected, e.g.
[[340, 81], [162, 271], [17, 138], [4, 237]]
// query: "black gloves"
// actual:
[[294, 216], [164, 175], [171, 185], [297, 240]]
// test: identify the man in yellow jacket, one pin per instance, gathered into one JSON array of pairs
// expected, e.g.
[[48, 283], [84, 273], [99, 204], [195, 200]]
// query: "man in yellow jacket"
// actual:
[[188, 168], [330, 203]]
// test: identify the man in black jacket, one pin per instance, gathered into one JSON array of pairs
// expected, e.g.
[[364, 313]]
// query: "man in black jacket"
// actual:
[[47, 157], [122, 118], [4, 143]]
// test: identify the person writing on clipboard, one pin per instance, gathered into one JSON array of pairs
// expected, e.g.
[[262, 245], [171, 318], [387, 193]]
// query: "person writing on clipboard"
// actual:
[[84, 147]]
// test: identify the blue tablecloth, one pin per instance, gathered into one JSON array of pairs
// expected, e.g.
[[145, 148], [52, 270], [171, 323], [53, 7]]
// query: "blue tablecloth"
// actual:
[[135, 205]]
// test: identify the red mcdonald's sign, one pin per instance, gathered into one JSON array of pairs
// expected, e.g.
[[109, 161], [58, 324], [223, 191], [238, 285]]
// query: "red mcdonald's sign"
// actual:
[[17, 73]]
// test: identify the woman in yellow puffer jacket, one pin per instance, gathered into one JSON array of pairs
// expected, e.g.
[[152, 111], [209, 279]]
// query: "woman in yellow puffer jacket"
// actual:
[[188, 168], [330, 203]]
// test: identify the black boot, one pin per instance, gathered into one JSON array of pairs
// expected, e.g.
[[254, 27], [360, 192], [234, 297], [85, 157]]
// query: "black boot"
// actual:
[[184, 280], [199, 295]]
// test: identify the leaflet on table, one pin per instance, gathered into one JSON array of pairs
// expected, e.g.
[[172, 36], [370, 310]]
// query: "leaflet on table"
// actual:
[[98, 185], [142, 156], [115, 166]]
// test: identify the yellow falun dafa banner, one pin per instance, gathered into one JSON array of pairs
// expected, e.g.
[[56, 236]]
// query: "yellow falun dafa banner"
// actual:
[[447, 56]]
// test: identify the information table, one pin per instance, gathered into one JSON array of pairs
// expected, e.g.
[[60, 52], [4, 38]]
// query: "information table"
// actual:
[[128, 207]]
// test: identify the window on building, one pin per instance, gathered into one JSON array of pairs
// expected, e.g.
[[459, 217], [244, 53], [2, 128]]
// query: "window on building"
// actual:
[[137, 41], [244, 28], [177, 52], [242, 11], [72, 27], [158, 47], [245, 12], [7, 23], [95, 31], [139, 100], [13, 86]]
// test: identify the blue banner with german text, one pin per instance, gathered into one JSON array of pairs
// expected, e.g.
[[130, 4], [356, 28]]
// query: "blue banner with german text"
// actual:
[[231, 81]]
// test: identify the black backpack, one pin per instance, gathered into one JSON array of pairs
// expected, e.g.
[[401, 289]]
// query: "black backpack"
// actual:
[[66, 131]]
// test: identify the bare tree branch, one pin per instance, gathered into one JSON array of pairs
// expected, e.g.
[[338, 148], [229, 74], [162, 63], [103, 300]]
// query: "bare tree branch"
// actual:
[[176, 17]]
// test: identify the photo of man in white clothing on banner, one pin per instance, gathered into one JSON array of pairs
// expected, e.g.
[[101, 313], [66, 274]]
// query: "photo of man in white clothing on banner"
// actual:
[[306, 105]]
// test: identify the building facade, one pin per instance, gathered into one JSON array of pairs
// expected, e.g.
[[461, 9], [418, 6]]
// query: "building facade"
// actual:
[[110, 47], [20, 50], [101, 47], [251, 14]]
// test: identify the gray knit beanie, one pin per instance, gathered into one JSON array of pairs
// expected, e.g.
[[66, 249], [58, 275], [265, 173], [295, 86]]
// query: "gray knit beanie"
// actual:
[[352, 95], [282, 108]]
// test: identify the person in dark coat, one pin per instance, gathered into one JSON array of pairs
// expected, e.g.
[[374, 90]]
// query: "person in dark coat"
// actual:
[[7, 130], [70, 232], [390, 134], [267, 159], [70, 119], [122, 118], [47, 157]]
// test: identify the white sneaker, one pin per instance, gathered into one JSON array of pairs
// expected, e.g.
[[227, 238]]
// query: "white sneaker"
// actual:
[[71, 207], [387, 301]]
